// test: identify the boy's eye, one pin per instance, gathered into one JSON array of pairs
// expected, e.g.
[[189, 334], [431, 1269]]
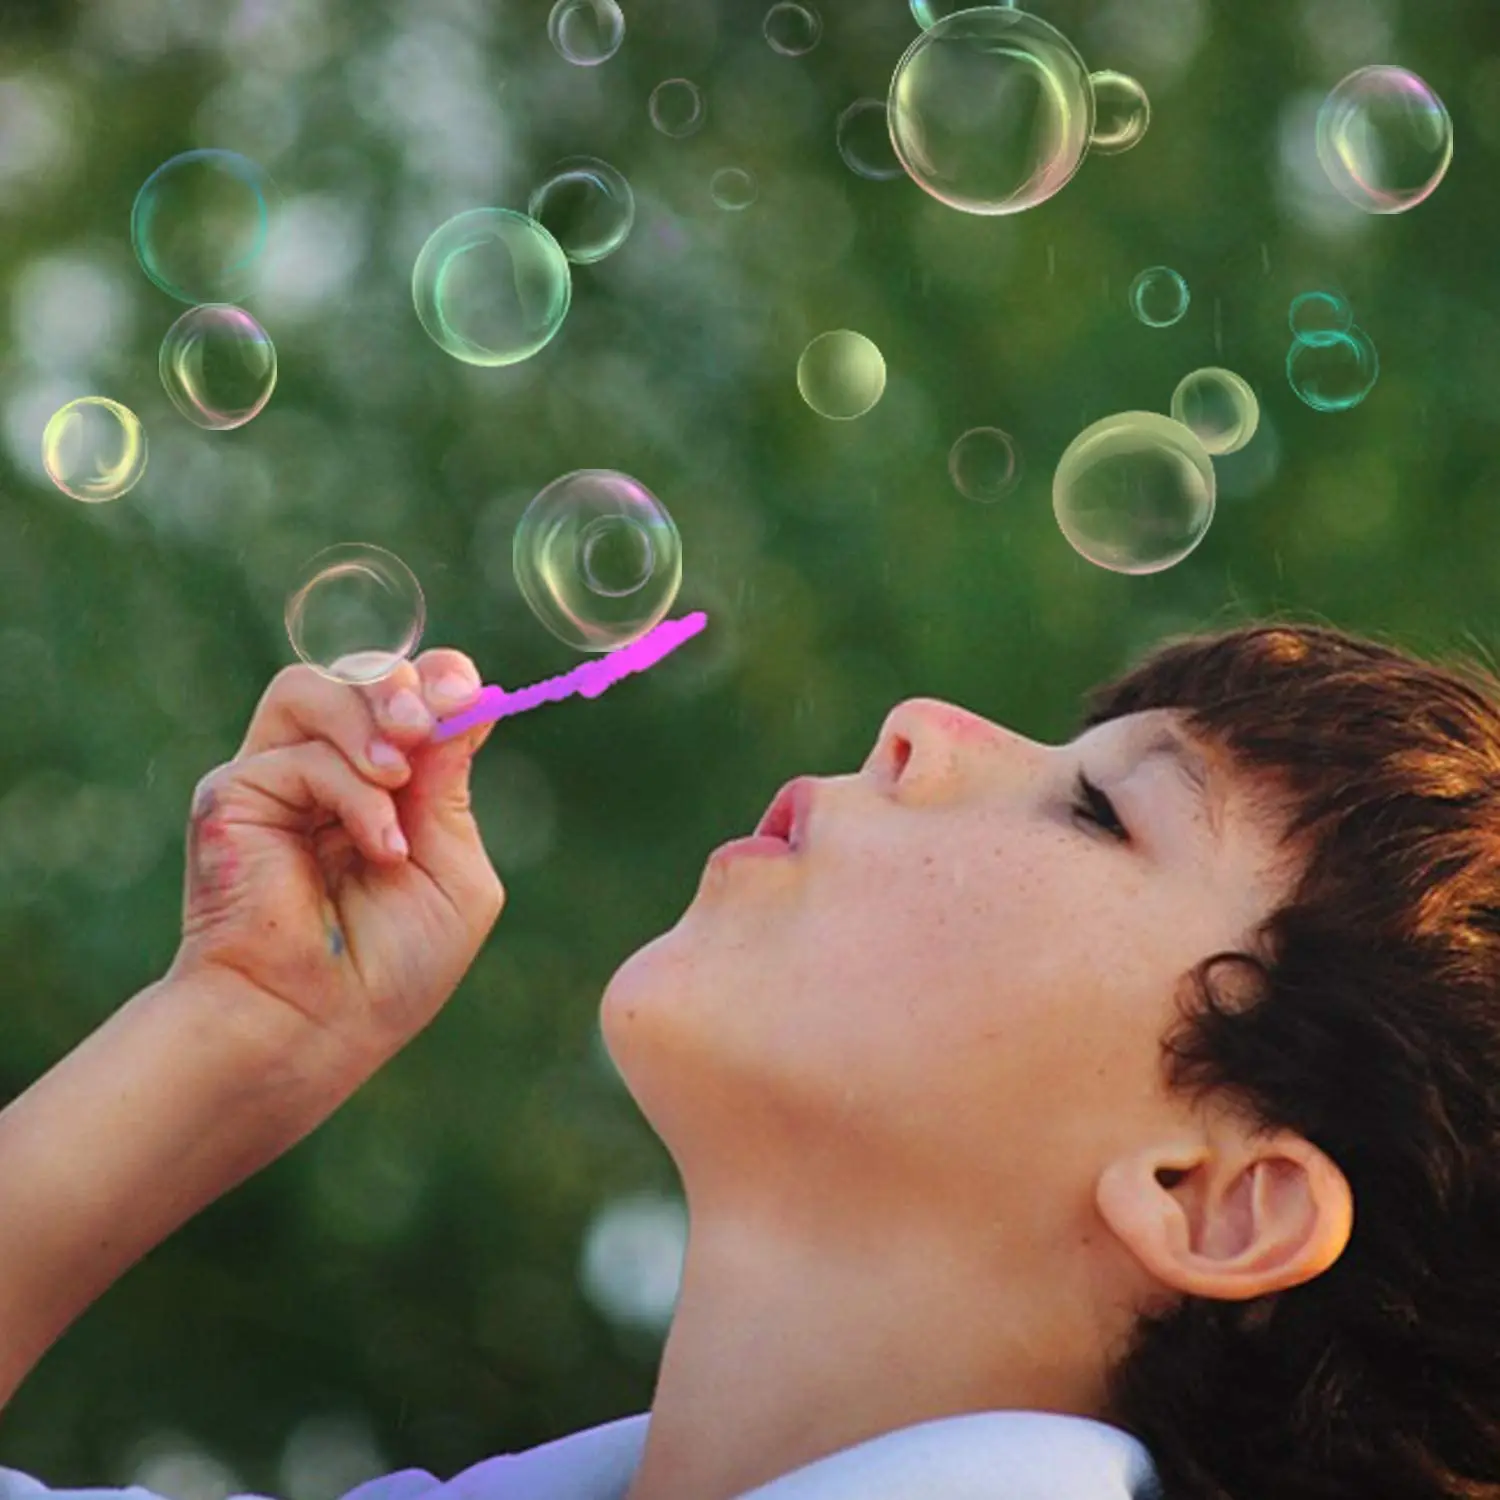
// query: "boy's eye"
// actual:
[[1094, 805]]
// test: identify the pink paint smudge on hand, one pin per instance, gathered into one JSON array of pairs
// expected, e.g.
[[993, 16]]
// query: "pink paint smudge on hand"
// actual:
[[590, 679]]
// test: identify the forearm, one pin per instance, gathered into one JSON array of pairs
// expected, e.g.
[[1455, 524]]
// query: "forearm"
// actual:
[[186, 1090]]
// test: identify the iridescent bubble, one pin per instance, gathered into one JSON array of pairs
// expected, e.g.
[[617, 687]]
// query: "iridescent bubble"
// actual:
[[991, 110], [841, 374], [598, 559], [792, 29], [1333, 371], [356, 613], [587, 207], [985, 464], [586, 32], [1218, 407], [1159, 297], [201, 222], [218, 365], [864, 140], [733, 188], [1121, 112], [94, 449], [491, 286], [676, 107], [1314, 315], [1134, 493], [1385, 139]]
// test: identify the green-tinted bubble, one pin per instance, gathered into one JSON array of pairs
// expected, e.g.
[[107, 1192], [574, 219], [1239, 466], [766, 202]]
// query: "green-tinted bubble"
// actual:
[[1335, 370], [94, 449], [586, 32], [1218, 407], [491, 286], [841, 374], [733, 188], [792, 28], [598, 559], [1314, 315], [587, 207], [218, 365], [864, 140], [1121, 112], [1159, 297], [1384, 139], [991, 110], [200, 224], [985, 464], [356, 613], [676, 107], [1134, 493]]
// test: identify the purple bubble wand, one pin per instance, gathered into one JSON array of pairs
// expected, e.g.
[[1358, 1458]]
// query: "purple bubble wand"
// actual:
[[590, 679]]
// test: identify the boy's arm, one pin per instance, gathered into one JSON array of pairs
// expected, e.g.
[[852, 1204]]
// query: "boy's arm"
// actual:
[[188, 1089]]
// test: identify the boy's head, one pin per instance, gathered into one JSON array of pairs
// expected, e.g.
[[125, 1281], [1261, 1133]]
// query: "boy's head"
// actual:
[[1151, 1044]]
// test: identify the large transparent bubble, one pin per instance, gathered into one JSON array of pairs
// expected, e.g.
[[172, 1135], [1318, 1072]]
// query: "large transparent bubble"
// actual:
[[586, 32], [1384, 139], [218, 365], [491, 286], [991, 110], [587, 207], [598, 559], [1134, 493], [1335, 370], [200, 224], [356, 613], [841, 374], [1218, 407], [1121, 112], [94, 449]]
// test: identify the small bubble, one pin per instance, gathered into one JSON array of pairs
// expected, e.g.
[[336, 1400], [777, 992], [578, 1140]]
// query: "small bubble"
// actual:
[[1159, 297], [587, 207], [94, 449], [1335, 370], [733, 188], [1121, 112], [985, 464], [1218, 407], [586, 32], [864, 140], [356, 613], [676, 107], [792, 29], [1384, 139], [218, 365], [1313, 315], [841, 374]]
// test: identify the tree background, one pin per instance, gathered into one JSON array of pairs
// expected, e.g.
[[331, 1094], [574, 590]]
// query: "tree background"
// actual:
[[477, 1253]]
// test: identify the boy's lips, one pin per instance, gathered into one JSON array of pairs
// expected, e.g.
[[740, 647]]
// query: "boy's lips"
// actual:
[[787, 816]]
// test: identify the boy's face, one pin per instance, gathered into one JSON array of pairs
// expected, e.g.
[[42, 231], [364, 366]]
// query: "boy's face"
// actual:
[[956, 987]]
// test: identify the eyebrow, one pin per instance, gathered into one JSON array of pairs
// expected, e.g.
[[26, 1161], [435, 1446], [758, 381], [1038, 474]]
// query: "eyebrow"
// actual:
[[1191, 764]]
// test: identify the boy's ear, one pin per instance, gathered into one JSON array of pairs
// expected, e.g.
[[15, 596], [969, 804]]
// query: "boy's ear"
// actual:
[[1228, 1214]]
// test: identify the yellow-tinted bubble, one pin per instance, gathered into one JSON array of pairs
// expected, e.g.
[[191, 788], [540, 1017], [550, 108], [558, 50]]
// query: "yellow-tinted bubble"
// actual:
[[676, 107], [1121, 112], [985, 464], [1134, 493], [200, 223], [491, 286], [792, 28], [94, 449], [218, 365], [1384, 139], [586, 32], [1159, 297], [356, 613], [587, 207], [598, 559], [1333, 371], [733, 188], [991, 110], [1218, 407], [1313, 315], [841, 374], [864, 140]]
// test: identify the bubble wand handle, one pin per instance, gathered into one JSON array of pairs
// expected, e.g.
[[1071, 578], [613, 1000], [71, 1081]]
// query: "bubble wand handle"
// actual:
[[589, 680]]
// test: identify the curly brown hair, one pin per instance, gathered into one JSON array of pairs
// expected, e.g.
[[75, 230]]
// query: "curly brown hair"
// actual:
[[1373, 1032]]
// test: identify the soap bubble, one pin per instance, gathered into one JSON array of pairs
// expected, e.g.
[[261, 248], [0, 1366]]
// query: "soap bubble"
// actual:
[[1159, 297], [792, 29], [991, 110], [218, 365], [1219, 407], [864, 140], [356, 613], [841, 374], [491, 286], [676, 107], [1121, 112], [94, 449], [733, 188], [1313, 315], [200, 223], [587, 207], [598, 559], [928, 13], [1134, 493], [1333, 371], [985, 464], [1384, 139], [586, 32]]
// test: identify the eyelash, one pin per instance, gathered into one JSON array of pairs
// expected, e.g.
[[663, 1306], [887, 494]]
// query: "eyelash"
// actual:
[[1094, 805]]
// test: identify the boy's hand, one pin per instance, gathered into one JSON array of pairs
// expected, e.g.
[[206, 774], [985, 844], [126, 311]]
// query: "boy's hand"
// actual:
[[296, 886]]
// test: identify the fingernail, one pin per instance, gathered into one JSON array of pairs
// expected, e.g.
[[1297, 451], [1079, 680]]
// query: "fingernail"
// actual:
[[453, 689], [385, 755], [407, 710], [395, 840]]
